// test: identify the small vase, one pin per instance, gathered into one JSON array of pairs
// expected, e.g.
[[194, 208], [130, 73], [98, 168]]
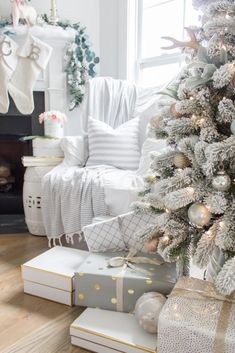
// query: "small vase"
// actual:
[[216, 263], [53, 128]]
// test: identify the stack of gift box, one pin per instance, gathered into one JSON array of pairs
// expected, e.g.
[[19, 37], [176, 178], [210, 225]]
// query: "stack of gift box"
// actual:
[[109, 284]]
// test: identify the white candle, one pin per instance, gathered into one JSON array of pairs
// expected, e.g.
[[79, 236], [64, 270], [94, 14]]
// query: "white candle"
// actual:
[[53, 18]]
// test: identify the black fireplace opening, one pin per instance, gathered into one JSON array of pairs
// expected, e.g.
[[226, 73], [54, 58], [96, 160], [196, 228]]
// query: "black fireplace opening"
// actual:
[[14, 126]]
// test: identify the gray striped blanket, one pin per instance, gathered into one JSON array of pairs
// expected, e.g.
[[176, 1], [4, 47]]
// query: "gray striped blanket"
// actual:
[[71, 197]]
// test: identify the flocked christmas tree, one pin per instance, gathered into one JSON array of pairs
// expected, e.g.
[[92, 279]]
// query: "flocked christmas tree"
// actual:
[[191, 185]]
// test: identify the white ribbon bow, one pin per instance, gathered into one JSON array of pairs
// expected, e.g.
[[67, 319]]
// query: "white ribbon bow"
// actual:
[[130, 259]]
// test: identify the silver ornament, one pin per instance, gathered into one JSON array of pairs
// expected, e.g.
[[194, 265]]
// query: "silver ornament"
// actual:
[[221, 182], [232, 127], [147, 310], [199, 215]]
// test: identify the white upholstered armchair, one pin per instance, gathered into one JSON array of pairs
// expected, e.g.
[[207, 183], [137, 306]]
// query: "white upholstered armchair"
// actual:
[[101, 173]]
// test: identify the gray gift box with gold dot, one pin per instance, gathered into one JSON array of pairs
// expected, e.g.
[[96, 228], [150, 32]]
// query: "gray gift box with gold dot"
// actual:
[[99, 285]]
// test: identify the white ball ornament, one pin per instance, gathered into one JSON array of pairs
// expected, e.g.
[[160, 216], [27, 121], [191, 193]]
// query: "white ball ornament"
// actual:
[[147, 310], [232, 127], [221, 182], [199, 215]]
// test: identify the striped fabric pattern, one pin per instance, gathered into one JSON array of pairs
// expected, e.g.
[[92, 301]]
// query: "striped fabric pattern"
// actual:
[[114, 147]]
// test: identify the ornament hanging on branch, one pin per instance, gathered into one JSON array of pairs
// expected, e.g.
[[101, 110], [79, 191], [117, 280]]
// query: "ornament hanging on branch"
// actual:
[[181, 161], [199, 215], [174, 112], [152, 244], [221, 181]]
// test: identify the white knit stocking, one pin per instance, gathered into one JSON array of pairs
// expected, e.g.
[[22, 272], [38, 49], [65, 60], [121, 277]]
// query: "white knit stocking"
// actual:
[[8, 62], [33, 57]]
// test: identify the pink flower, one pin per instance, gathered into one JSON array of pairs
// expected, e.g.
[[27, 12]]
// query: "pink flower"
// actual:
[[41, 118], [54, 117]]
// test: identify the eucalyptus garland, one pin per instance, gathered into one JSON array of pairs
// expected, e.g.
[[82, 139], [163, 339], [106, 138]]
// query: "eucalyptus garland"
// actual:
[[80, 60]]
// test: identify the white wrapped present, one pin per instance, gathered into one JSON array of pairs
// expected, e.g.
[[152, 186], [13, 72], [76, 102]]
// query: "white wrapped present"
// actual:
[[51, 274], [104, 331], [119, 233], [197, 319]]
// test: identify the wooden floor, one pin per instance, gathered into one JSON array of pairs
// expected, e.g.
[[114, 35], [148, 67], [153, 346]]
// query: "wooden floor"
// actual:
[[29, 324]]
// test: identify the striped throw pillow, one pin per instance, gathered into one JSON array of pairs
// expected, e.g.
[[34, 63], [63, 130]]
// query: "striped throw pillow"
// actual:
[[114, 147]]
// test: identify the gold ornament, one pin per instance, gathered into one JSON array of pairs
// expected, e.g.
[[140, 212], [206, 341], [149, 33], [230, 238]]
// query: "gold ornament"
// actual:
[[221, 182], [199, 215], [174, 112], [152, 244], [181, 161]]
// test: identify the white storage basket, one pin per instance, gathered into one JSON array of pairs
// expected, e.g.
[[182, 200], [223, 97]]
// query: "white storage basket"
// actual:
[[32, 199]]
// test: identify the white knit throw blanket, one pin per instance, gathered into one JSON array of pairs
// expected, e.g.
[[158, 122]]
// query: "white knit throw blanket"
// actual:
[[71, 197]]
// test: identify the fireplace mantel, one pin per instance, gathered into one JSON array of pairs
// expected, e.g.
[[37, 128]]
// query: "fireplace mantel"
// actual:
[[53, 80]]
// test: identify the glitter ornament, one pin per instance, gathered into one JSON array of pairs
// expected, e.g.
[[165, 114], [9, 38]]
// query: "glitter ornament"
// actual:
[[199, 215], [152, 244], [174, 112], [221, 181], [147, 310], [181, 161]]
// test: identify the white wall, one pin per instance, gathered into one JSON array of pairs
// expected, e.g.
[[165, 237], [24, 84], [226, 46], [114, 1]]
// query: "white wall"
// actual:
[[113, 42], [109, 38]]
